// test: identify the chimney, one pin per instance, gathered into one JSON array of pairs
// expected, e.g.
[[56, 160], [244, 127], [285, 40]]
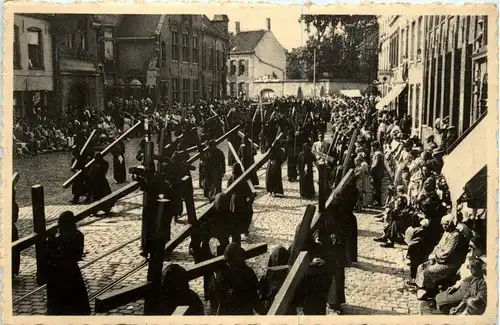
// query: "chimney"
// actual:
[[268, 24], [237, 24]]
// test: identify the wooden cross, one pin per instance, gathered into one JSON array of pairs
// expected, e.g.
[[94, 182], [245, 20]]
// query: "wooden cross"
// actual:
[[299, 258], [118, 298], [235, 155], [323, 155], [83, 149], [103, 152]]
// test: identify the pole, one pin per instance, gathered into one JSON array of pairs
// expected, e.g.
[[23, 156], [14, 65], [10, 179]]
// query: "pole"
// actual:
[[38, 204], [314, 74]]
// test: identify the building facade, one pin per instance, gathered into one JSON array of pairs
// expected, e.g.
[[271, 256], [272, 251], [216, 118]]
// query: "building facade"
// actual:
[[78, 73], [254, 56], [434, 67], [33, 64], [401, 64], [168, 58]]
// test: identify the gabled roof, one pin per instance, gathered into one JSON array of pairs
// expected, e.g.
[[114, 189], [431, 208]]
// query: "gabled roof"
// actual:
[[209, 26], [245, 42]]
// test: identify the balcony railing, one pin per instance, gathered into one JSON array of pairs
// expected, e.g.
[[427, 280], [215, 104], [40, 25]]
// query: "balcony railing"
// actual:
[[77, 53]]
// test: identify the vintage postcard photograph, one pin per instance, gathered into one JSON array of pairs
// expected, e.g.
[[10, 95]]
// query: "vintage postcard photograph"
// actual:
[[266, 163]]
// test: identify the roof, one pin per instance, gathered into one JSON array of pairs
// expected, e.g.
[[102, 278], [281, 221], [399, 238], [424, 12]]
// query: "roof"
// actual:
[[247, 41], [138, 25], [209, 26], [221, 18]]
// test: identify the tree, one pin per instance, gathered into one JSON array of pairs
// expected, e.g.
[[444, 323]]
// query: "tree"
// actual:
[[345, 45], [295, 64]]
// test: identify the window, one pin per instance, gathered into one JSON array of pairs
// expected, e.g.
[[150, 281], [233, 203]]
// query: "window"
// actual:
[[109, 50], [163, 53], [412, 47], [232, 89], [419, 38], [83, 40], [232, 69], [164, 90], [185, 45], [196, 51], [35, 54], [175, 44], [241, 89], [417, 106], [195, 90], [210, 56], [241, 67], [17, 50], [175, 90], [185, 90]]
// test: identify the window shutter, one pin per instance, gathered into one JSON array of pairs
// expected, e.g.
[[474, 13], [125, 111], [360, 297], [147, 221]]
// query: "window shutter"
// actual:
[[237, 64], [246, 68], [247, 88]]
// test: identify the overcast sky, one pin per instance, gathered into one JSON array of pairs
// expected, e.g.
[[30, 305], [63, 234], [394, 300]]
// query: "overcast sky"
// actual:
[[287, 29]]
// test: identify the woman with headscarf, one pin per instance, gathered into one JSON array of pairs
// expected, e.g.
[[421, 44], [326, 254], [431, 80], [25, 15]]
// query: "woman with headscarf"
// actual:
[[274, 181], [240, 205], [66, 291], [246, 153], [429, 203], [305, 165], [233, 288], [399, 220], [175, 292], [271, 282], [442, 262], [455, 293]]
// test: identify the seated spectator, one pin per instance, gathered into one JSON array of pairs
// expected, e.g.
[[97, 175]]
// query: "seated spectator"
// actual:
[[398, 221], [455, 293], [474, 300], [442, 262], [417, 239]]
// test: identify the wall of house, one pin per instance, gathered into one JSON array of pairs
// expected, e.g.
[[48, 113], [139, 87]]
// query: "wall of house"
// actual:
[[26, 79], [133, 59], [245, 78], [308, 88], [269, 57]]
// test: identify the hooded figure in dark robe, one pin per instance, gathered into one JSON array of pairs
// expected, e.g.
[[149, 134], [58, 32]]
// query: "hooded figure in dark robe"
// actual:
[[246, 153], [100, 186], [175, 292], [80, 186], [234, 286], [305, 165], [291, 153], [274, 182], [240, 204], [271, 282], [66, 291], [214, 165]]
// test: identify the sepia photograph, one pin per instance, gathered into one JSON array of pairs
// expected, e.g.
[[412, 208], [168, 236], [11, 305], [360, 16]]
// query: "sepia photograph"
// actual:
[[242, 163]]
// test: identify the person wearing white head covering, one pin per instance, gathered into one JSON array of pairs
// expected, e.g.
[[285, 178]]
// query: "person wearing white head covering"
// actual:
[[444, 261]]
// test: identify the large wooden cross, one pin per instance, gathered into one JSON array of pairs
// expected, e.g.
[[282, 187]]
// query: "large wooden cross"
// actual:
[[299, 257], [103, 152], [120, 297]]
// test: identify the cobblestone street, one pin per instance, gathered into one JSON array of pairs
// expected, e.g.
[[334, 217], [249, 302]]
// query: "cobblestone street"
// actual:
[[373, 285]]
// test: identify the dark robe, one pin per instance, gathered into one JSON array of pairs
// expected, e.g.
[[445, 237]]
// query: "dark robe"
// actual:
[[119, 170], [305, 165], [80, 186], [233, 291], [291, 153], [274, 182], [214, 168], [66, 291], [246, 154], [241, 207], [99, 183]]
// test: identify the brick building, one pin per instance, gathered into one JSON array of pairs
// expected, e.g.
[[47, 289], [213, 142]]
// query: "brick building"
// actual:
[[77, 61], [254, 55], [33, 63], [170, 58]]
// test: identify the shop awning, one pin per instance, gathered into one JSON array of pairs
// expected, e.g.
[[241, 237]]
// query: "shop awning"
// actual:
[[353, 93], [395, 91], [475, 190]]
